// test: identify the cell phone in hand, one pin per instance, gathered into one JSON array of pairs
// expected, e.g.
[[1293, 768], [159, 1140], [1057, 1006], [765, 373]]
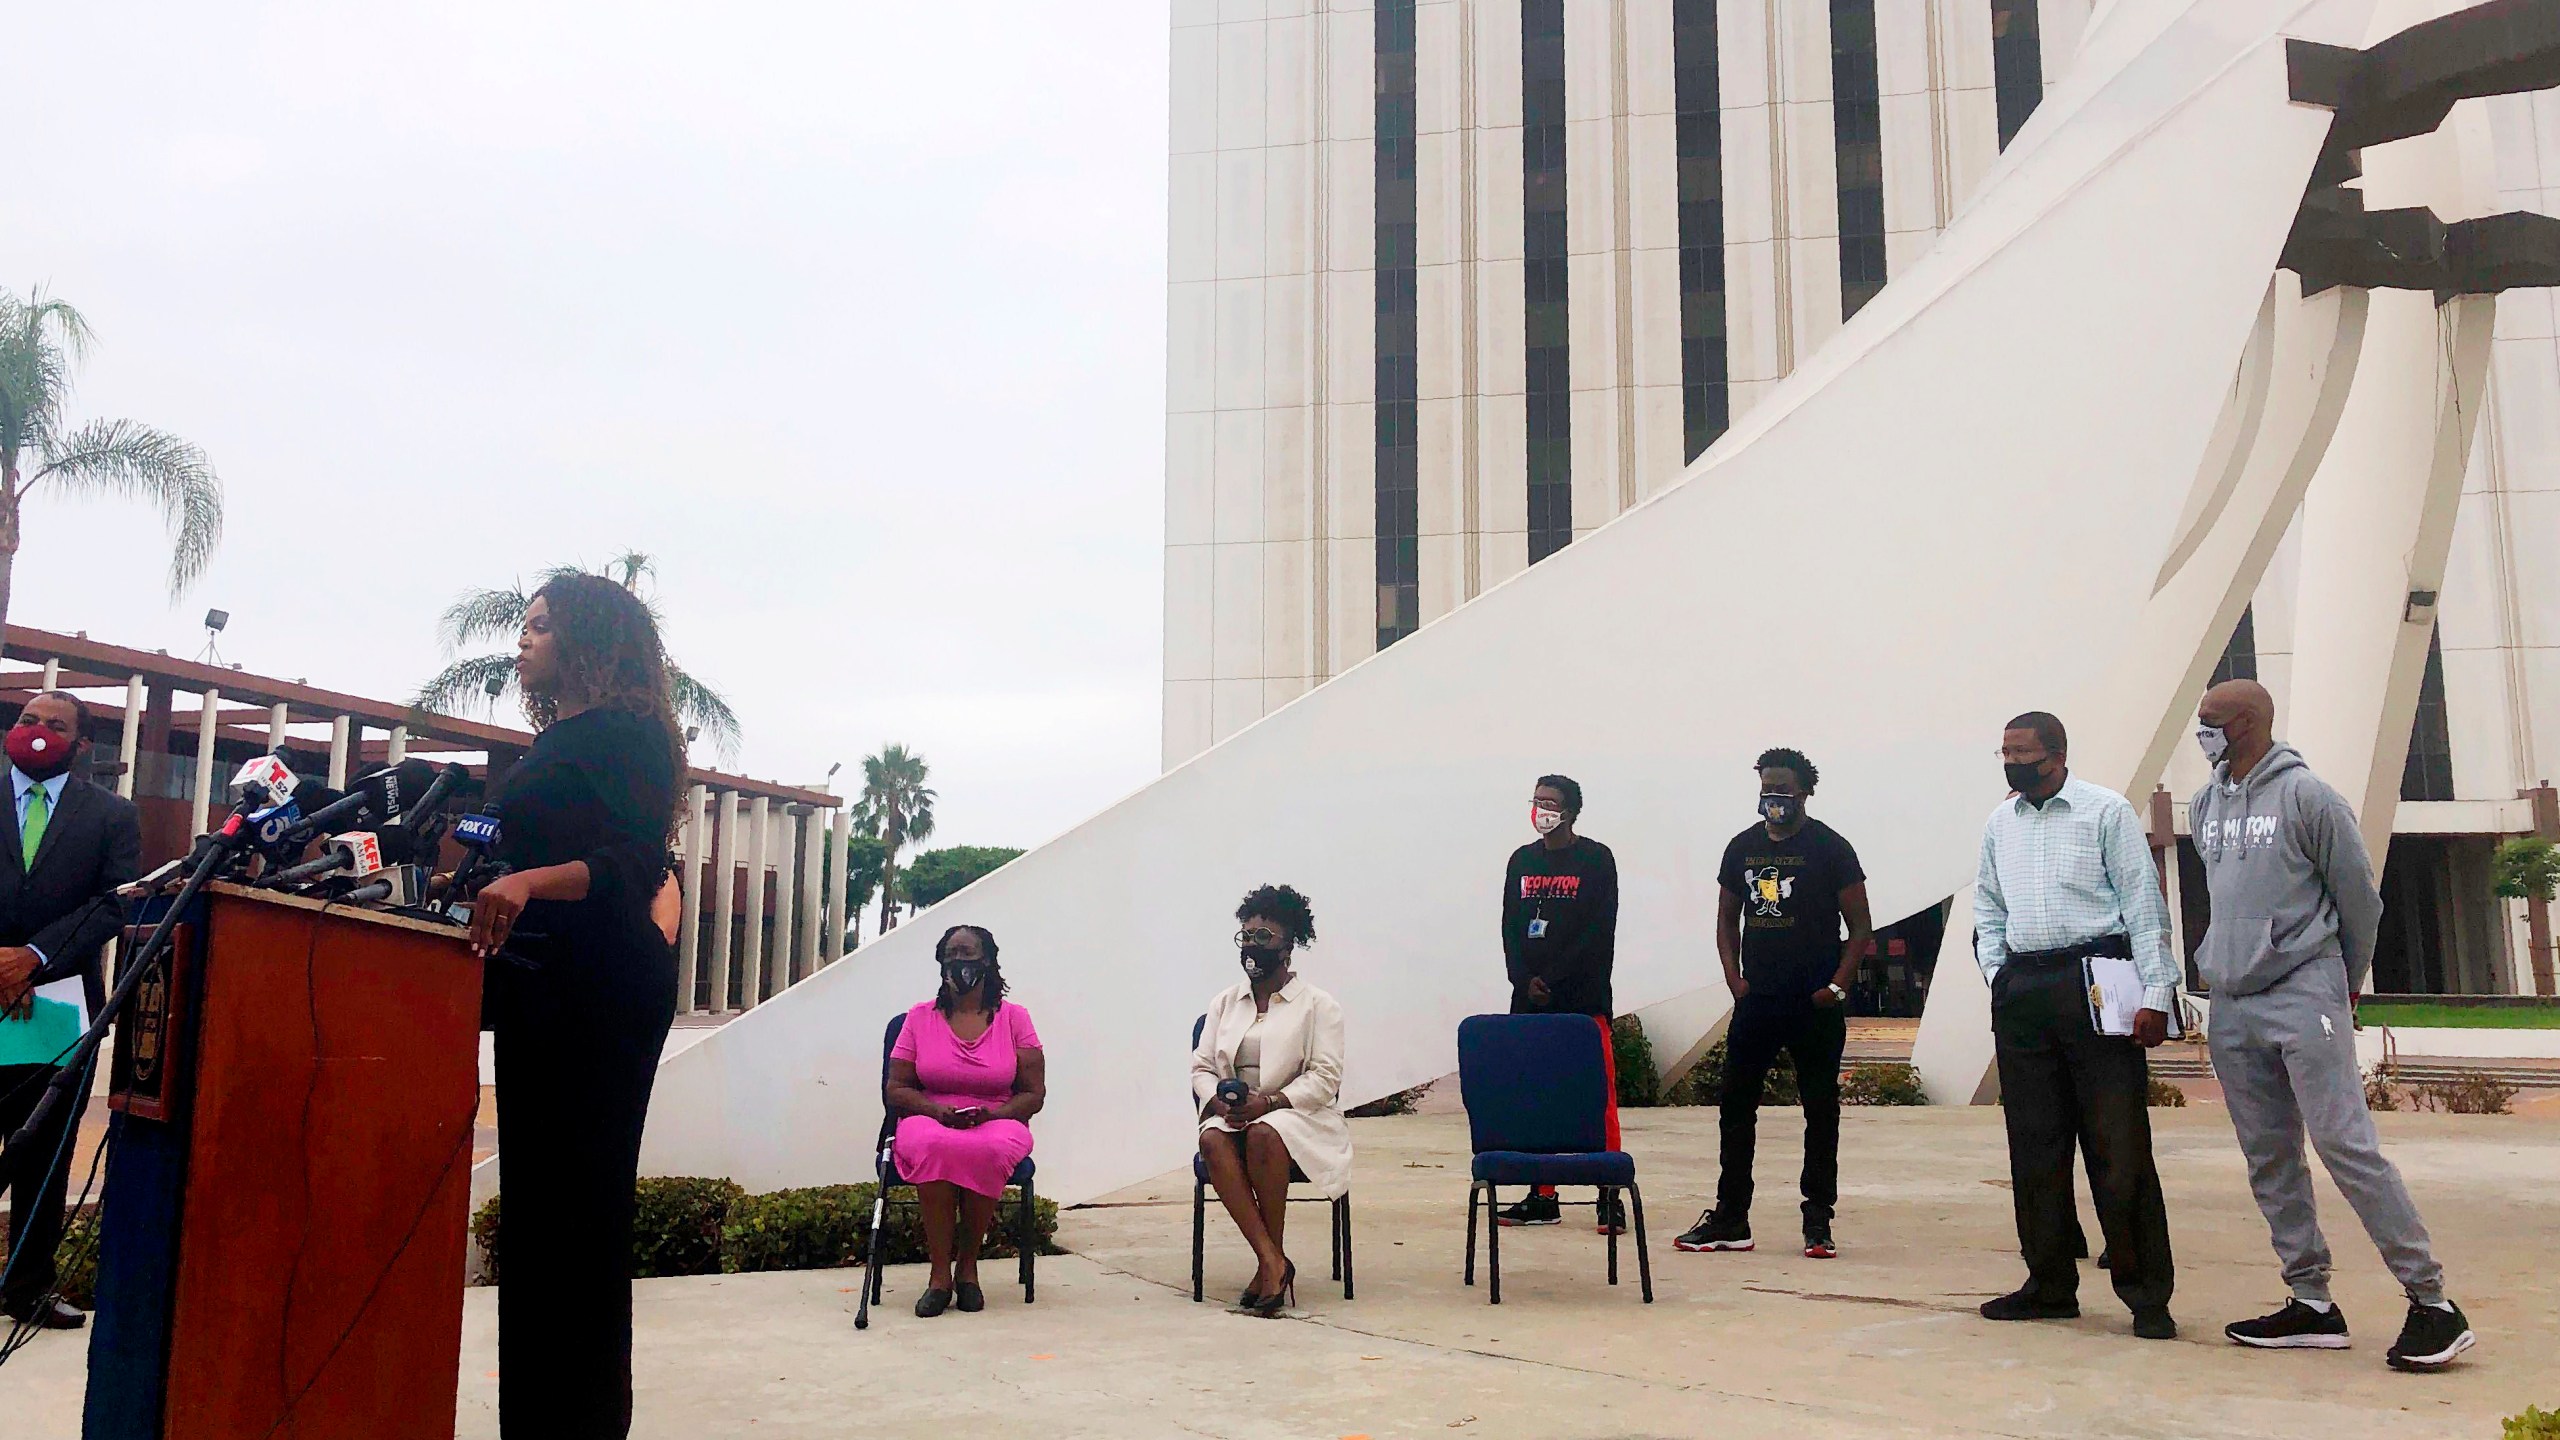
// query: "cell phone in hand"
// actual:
[[970, 1114]]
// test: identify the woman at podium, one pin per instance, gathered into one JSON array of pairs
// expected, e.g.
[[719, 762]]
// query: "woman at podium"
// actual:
[[580, 999]]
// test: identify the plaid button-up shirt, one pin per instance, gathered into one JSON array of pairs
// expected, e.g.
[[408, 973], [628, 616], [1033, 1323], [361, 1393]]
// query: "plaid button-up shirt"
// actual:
[[2071, 870]]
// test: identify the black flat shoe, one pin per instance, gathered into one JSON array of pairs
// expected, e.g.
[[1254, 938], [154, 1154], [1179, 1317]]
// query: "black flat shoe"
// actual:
[[2022, 1305], [50, 1315], [1269, 1306], [969, 1297], [932, 1303]]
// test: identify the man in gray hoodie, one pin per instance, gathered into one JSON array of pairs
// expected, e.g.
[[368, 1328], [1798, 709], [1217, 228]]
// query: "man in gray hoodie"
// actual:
[[2294, 911]]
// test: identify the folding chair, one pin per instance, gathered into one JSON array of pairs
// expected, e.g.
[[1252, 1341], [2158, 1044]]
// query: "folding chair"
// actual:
[[1534, 1087], [1026, 1237], [1341, 1208]]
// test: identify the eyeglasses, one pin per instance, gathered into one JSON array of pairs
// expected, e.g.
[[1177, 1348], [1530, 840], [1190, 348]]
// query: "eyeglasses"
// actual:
[[1258, 937]]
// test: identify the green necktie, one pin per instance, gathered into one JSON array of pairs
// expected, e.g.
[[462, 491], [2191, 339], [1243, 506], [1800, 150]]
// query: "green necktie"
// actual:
[[31, 831]]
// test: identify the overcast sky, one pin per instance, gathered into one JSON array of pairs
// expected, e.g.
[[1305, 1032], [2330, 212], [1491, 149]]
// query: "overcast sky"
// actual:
[[849, 314]]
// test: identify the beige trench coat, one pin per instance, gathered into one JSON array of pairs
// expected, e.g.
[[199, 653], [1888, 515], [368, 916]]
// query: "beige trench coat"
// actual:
[[1301, 1058]]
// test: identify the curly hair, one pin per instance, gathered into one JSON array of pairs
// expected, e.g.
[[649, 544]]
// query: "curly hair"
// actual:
[[610, 659], [992, 990], [1564, 785], [1781, 757], [1284, 907]]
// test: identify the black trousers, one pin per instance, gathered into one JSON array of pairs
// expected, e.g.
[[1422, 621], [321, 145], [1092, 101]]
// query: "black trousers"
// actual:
[[1815, 1036], [36, 1185], [577, 1051], [2063, 1087]]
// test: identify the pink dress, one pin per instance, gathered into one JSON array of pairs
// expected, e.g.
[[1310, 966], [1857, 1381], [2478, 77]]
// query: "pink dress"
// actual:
[[956, 1072]]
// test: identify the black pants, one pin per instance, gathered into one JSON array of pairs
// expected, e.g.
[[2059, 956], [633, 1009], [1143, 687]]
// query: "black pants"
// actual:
[[578, 1049], [36, 1185], [1815, 1035], [2064, 1086]]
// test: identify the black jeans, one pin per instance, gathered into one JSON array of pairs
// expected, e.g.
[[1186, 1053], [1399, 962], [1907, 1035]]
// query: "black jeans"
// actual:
[[36, 1190], [2063, 1086], [578, 1049], [1815, 1035]]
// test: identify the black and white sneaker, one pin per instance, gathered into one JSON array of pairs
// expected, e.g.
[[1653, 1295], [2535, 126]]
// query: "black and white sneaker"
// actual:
[[1716, 1230], [2295, 1327], [1611, 1218], [2431, 1338], [1536, 1210]]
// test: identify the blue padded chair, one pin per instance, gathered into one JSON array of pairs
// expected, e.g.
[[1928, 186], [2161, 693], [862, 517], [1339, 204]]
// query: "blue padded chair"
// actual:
[[1200, 1207], [1026, 1233], [1535, 1088]]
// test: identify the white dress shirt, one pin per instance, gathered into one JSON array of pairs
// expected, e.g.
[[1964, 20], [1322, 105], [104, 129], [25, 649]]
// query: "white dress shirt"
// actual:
[[2074, 869]]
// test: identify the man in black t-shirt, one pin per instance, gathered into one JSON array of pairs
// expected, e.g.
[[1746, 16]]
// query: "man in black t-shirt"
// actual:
[[1787, 886], [1559, 944]]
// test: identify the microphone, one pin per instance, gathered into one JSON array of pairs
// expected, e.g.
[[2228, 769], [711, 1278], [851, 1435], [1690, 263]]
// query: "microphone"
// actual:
[[357, 852], [478, 834], [267, 770], [398, 886], [373, 795], [407, 834]]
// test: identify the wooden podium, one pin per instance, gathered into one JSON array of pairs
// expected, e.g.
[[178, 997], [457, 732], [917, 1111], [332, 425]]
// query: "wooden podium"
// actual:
[[282, 1225]]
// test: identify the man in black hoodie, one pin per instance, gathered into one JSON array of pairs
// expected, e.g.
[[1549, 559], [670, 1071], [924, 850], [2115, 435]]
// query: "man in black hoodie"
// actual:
[[1559, 943]]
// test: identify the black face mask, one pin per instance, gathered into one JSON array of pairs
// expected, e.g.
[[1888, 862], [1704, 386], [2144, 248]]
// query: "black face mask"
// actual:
[[1261, 962], [1781, 810], [2023, 776], [964, 976]]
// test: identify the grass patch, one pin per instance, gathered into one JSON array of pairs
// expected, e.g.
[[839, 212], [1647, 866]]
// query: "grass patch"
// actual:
[[2462, 1017]]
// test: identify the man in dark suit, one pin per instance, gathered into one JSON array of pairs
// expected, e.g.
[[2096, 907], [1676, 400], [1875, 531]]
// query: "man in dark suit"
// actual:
[[65, 845]]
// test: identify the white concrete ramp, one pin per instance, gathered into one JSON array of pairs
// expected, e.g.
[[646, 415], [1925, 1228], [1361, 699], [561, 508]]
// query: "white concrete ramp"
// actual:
[[1958, 509]]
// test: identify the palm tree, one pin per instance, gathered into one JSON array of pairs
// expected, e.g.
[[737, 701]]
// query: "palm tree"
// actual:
[[42, 340], [479, 682], [895, 806]]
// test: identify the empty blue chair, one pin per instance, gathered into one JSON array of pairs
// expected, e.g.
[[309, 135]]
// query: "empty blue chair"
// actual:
[[1026, 1236], [1341, 1209], [1535, 1087]]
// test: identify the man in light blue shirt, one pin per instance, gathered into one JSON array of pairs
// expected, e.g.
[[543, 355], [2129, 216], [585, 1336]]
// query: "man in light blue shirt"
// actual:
[[2067, 876]]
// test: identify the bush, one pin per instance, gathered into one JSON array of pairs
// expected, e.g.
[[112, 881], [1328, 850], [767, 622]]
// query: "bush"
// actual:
[[1639, 1082], [675, 1227], [2535, 1423], [691, 1226], [2378, 1094], [2166, 1096], [1704, 1084], [1400, 1103], [1881, 1083], [2471, 1094], [826, 1227]]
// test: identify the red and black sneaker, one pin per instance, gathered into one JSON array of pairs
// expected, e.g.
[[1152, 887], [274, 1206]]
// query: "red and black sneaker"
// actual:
[[1716, 1230], [1817, 1241]]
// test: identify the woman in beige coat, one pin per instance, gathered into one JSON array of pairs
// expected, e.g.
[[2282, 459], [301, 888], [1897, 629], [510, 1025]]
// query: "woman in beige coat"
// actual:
[[1273, 1046]]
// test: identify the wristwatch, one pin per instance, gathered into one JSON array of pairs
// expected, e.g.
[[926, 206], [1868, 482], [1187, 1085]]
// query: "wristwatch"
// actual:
[[1837, 993]]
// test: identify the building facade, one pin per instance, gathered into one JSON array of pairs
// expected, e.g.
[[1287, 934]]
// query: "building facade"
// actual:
[[1454, 282]]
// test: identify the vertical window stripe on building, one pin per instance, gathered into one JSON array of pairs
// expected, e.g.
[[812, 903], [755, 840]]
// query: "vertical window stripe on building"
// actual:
[[1705, 401], [2240, 656], [1857, 119], [1545, 276], [2428, 775], [2017, 64], [1398, 443]]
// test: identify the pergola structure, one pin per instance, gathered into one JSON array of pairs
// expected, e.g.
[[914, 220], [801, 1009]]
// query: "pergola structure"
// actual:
[[772, 924]]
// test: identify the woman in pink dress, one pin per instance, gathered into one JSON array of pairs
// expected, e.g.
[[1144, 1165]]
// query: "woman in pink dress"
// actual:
[[965, 1076]]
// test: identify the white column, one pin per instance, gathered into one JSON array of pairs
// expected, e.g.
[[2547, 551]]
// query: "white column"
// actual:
[[208, 721], [129, 749], [759, 823], [278, 716], [840, 851], [399, 747], [724, 899], [341, 730], [692, 844], [1953, 1050], [1756, 347], [52, 674], [786, 895], [812, 835]]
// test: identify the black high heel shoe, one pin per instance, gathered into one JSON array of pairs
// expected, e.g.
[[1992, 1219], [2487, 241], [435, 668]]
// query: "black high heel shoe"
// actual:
[[1269, 1306]]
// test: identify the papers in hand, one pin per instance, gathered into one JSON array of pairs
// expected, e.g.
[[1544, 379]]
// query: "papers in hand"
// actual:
[[2115, 996], [59, 1013]]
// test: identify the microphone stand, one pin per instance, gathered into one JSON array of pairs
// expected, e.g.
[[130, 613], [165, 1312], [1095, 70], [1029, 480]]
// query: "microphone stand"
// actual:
[[220, 846]]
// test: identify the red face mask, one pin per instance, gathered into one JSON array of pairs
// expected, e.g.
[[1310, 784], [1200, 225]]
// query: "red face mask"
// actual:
[[38, 753]]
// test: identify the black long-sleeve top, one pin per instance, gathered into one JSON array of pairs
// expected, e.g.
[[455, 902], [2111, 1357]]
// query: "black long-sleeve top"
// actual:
[[1574, 891], [600, 787]]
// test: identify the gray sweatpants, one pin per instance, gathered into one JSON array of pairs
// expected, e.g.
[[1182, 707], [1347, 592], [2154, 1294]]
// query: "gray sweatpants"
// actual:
[[2287, 1060]]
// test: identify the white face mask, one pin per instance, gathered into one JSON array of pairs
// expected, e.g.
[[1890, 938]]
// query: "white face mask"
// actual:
[[1544, 820], [2213, 742]]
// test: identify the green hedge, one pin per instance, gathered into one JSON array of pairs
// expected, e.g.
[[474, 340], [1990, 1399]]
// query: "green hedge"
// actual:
[[687, 1226], [1639, 1078]]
